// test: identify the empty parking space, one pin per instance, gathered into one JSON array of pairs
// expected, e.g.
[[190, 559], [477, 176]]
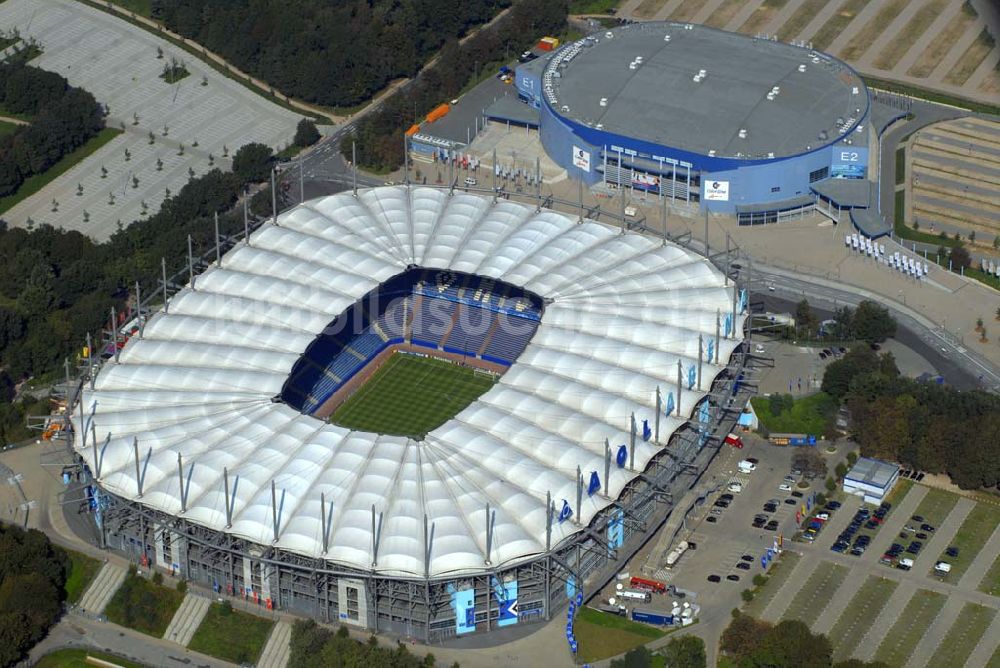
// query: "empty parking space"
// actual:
[[919, 613], [991, 583], [934, 508], [860, 614], [780, 574], [964, 635], [815, 594], [970, 538]]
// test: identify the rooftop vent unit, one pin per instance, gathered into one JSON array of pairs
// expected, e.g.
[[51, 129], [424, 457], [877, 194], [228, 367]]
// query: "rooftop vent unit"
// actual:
[[770, 97], [702, 73], [802, 68], [770, 154], [633, 65], [823, 135], [600, 126], [696, 78], [711, 153], [565, 107], [638, 59], [604, 101], [860, 128], [688, 26], [609, 34], [666, 38], [742, 133], [855, 90]]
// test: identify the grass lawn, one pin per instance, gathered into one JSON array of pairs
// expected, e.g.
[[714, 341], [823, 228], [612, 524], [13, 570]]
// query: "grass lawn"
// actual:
[[933, 96], [864, 38], [35, 183], [900, 165], [779, 573], [814, 595], [601, 635], [912, 31], [835, 25], [237, 637], [77, 658], [7, 128], [411, 395], [648, 8], [991, 582], [724, 13], [964, 635], [972, 535], [904, 231], [592, 6], [935, 506], [800, 18], [918, 615], [140, 7], [859, 615], [762, 16], [970, 60], [82, 571], [808, 415], [942, 43], [141, 605], [685, 11]]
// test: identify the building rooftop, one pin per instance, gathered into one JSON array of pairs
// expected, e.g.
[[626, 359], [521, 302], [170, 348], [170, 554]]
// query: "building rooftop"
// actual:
[[872, 472], [704, 90]]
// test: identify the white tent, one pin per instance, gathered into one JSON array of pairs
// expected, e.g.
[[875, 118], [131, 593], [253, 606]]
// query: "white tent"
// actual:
[[621, 312]]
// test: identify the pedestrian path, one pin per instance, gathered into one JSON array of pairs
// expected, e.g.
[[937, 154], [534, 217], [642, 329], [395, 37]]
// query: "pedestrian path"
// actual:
[[278, 647], [977, 570], [187, 619], [104, 586]]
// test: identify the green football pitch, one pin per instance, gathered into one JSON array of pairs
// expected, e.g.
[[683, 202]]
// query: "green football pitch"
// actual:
[[411, 395]]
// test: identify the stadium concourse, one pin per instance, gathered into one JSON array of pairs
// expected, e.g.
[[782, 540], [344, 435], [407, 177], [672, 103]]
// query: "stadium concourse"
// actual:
[[211, 456]]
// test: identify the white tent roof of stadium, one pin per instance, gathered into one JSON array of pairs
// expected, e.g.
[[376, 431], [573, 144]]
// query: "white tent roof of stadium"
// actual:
[[659, 101], [623, 310]]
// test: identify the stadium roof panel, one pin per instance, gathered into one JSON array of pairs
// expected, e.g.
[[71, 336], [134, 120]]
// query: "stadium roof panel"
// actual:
[[663, 99], [622, 312]]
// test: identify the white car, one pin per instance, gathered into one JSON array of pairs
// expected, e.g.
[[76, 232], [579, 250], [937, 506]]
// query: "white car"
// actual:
[[759, 349], [469, 181], [746, 466], [735, 487], [785, 487], [823, 516]]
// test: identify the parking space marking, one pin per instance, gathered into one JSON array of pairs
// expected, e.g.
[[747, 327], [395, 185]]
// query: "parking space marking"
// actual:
[[783, 598], [987, 652], [870, 639], [935, 633], [942, 537], [854, 616]]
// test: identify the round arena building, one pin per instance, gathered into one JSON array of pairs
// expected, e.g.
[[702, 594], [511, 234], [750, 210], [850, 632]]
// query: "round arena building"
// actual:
[[741, 124]]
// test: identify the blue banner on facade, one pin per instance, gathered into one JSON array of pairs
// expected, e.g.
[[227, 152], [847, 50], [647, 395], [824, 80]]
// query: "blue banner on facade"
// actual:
[[616, 530], [464, 604]]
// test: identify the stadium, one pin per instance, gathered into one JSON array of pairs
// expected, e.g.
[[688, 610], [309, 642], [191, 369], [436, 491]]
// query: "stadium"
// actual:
[[743, 125], [413, 410]]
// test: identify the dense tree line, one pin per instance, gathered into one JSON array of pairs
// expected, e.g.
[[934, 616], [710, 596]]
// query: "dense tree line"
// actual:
[[313, 646], [753, 643], [63, 119], [681, 652], [870, 323], [379, 134], [32, 578], [925, 426], [335, 53]]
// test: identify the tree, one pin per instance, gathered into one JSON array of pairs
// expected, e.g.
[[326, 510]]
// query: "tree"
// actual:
[[306, 133], [638, 657], [791, 643], [831, 484], [685, 652], [810, 462], [872, 322], [742, 635], [841, 470], [960, 257], [252, 162], [805, 319]]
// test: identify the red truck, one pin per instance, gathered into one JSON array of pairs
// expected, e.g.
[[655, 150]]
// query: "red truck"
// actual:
[[734, 441]]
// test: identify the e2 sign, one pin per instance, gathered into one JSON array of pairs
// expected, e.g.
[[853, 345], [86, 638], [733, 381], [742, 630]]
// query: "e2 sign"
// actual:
[[849, 163]]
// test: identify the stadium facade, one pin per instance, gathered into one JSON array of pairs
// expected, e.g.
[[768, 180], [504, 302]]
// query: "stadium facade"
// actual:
[[740, 124], [208, 457]]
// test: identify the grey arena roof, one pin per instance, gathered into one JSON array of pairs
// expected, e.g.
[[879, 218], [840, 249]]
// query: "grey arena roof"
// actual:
[[658, 100]]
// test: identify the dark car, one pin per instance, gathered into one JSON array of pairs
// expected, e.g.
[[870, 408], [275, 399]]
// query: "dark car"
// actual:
[[841, 350], [885, 505], [772, 526], [832, 505], [791, 502], [714, 578], [743, 566], [839, 546], [904, 535], [711, 519], [747, 557], [927, 527], [721, 504], [733, 577], [758, 523], [952, 551], [827, 351], [822, 356], [917, 518], [922, 536], [871, 524], [692, 545], [770, 508], [797, 495], [727, 497], [920, 477]]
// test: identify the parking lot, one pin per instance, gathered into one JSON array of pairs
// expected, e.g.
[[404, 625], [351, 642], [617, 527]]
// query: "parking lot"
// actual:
[[206, 113]]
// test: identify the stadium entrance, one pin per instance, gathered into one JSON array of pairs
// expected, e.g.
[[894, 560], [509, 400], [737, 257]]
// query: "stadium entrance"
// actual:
[[413, 352]]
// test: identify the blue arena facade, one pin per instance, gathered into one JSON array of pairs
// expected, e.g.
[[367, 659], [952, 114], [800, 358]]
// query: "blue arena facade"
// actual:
[[742, 125]]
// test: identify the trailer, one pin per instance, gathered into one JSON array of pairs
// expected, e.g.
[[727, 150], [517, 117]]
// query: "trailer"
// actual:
[[675, 554], [653, 586], [651, 617], [635, 595]]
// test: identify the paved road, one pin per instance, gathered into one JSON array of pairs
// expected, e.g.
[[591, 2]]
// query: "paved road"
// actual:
[[957, 364]]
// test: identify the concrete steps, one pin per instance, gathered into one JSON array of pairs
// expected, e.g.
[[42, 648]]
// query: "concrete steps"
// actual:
[[187, 619], [104, 586], [278, 647]]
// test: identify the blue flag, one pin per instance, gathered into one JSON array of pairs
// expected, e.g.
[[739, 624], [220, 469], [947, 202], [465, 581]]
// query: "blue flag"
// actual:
[[710, 350], [595, 483], [566, 512], [646, 431], [669, 403], [703, 413], [743, 300], [692, 376], [727, 324], [622, 456]]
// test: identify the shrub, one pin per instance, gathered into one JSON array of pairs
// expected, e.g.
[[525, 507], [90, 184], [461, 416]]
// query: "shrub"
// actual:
[[157, 578], [747, 595], [182, 586]]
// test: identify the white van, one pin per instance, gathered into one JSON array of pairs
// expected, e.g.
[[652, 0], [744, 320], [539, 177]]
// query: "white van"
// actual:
[[942, 568], [905, 564], [735, 487], [746, 466]]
